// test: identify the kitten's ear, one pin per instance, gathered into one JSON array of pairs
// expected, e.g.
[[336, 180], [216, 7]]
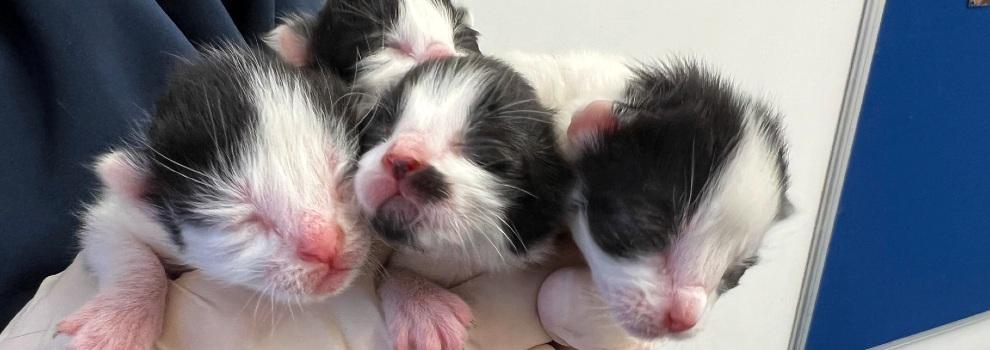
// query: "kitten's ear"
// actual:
[[596, 119], [465, 37], [290, 40], [123, 172], [464, 16]]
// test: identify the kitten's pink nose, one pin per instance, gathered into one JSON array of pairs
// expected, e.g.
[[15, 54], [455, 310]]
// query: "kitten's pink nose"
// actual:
[[321, 240], [405, 156], [401, 165], [435, 50], [680, 324], [686, 309]]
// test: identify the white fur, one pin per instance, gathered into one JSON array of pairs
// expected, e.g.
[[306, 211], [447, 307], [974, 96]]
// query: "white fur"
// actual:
[[124, 248], [422, 22], [467, 232], [440, 106], [117, 232], [292, 170], [293, 167], [566, 83], [728, 226], [736, 213], [419, 23]]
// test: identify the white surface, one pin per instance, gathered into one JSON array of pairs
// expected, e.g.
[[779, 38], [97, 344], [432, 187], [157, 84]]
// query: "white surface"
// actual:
[[969, 333], [795, 52]]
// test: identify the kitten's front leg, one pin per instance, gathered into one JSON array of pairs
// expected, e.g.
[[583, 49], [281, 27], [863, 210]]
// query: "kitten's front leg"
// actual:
[[128, 311]]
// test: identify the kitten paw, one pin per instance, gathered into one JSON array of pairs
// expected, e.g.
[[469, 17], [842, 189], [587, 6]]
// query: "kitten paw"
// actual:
[[115, 321], [424, 316]]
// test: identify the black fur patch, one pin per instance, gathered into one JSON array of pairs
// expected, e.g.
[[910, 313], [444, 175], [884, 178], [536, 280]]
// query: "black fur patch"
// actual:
[[381, 120], [166, 215], [392, 230], [678, 126], [202, 124], [429, 184], [509, 134], [199, 125], [347, 30]]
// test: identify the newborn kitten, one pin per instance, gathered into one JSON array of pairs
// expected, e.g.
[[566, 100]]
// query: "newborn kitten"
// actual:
[[678, 181], [374, 43], [243, 173], [464, 177]]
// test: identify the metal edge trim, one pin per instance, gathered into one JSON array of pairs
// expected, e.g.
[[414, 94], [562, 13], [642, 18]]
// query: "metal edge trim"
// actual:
[[935, 332], [852, 103]]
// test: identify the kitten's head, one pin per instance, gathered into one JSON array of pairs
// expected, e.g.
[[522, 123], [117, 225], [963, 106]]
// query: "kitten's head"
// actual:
[[248, 163], [376, 37], [462, 156]]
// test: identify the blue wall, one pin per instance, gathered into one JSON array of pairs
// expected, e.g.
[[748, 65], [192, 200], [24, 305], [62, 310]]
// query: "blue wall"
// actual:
[[911, 246]]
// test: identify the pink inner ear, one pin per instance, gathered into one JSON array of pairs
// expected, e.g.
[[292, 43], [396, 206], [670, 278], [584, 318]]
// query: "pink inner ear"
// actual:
[[120, 175], [595, 118], [292, 47]]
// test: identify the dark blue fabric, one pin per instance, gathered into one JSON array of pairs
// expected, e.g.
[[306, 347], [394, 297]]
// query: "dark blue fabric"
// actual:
[[76, 75], [910, 246]]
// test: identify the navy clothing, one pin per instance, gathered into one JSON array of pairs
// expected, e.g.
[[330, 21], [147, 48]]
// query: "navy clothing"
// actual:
[[76, 77]]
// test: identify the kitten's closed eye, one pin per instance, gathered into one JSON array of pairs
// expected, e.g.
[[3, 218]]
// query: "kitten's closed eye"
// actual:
[[398, 45]]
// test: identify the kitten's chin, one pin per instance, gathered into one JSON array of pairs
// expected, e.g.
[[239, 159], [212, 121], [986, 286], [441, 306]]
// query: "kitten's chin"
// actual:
[[398, 210]]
